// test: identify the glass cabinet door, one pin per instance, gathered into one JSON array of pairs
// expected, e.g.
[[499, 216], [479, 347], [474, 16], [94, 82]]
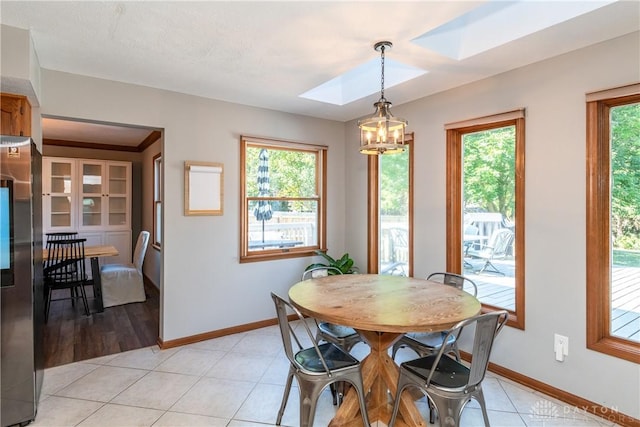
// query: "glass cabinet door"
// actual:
[[59, 194], [92, 191], [118, 209]]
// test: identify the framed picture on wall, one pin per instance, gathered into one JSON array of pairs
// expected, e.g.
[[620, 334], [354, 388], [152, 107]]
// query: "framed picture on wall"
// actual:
[[203, 188]]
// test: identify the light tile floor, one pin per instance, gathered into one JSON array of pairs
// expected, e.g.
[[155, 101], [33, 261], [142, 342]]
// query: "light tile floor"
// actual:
[[238, 381]]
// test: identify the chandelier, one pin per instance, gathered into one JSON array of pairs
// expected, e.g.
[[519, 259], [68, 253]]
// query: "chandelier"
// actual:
[[382, 133]]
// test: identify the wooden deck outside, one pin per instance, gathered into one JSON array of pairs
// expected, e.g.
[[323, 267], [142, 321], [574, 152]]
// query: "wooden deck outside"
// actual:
[[625, 314]]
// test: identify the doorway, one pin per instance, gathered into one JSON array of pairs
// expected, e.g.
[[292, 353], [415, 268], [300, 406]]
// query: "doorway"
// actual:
[[69, 335]]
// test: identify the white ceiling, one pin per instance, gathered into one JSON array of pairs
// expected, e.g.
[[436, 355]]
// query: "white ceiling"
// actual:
[[266, 54]]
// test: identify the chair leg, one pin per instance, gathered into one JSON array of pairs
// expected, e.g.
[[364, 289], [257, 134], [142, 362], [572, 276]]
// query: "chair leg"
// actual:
[[403, 382], [432, 411], [493, 269], [397, 346], [362, 402], [455, 350], [309, 394], [47, 304], [83, 295], [480, 398], [448, 409], [285, 397]]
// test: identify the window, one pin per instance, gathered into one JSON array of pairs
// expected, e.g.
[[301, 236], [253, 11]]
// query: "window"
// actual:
[[485, 209], [613, 222], [283, 199], [391, 214], [157, 200]]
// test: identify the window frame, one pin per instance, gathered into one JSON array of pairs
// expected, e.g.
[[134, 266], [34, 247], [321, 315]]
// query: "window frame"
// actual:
[[373, 190], [157, 199], [454, 134], [321, 184], [598, 216]]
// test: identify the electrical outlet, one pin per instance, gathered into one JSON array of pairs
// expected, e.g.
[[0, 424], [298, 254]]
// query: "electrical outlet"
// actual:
[[560, 346]]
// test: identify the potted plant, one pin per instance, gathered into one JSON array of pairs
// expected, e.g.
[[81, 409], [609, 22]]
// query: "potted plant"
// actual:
[[344, 263]]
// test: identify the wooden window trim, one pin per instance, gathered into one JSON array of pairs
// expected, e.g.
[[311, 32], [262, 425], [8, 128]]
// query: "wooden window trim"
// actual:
[[373, 208], [156, 201], [321, 182], [454, 204], [598, 254]]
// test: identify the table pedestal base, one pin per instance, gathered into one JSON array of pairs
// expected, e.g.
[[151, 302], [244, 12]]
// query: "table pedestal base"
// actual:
[[380, 377]]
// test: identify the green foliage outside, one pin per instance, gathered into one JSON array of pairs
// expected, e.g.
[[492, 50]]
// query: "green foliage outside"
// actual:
[[489, 171], [292, 174], [625, 171], [394, 184]]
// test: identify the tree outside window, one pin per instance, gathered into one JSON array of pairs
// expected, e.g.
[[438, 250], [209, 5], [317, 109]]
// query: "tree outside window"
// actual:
[[283, 199]]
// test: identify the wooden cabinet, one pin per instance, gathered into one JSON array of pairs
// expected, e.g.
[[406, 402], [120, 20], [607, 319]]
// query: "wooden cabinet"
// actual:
[[15, 115], [92, 197]]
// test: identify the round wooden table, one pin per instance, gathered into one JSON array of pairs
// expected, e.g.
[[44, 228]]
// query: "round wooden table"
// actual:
[[382, 308]]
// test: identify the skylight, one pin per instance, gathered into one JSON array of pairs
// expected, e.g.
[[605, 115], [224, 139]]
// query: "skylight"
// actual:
[[362, 81], [499, 22]]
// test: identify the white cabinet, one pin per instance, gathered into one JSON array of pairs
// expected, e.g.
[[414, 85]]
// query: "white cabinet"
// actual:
[[105, 189], [92, 197], [59, 198]]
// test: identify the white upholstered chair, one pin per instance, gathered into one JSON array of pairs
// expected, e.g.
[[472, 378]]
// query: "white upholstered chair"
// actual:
[[122, 283]]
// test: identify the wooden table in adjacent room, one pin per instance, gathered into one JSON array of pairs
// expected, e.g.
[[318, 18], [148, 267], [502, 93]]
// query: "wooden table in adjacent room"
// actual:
[[382, 308], [94, 253]]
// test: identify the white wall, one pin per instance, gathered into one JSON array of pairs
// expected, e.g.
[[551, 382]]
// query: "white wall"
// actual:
[[204, 288], [553, 93]]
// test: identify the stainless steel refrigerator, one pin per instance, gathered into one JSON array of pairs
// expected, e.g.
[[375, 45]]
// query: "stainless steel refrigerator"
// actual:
[[21, 293]]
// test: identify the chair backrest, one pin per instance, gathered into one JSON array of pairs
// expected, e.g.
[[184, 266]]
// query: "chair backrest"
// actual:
[[487, 327], [60, 235], [288, 334], [455, 280], [315, 272], [65, 262], [141, 249], [500, 241]]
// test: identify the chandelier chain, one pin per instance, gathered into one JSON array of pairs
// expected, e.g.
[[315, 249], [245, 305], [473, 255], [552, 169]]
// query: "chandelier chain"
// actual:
[[382, 74]]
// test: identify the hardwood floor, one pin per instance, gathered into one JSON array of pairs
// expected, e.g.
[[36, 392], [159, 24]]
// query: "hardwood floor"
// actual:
[[70, 336]]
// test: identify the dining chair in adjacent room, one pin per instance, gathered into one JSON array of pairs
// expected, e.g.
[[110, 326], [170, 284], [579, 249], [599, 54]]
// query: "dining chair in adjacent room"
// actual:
[[314, 367], [61, 235], [449, 384], [344, 337], [124, 283], [64, 268]]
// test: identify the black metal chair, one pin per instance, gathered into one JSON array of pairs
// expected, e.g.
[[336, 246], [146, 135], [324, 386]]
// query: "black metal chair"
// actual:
[[61, 235], [64, 268], [449, 384], [315, 367]]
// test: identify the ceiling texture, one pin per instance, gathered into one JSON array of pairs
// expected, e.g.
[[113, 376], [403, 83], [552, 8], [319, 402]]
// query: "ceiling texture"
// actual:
[[266, 54]]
